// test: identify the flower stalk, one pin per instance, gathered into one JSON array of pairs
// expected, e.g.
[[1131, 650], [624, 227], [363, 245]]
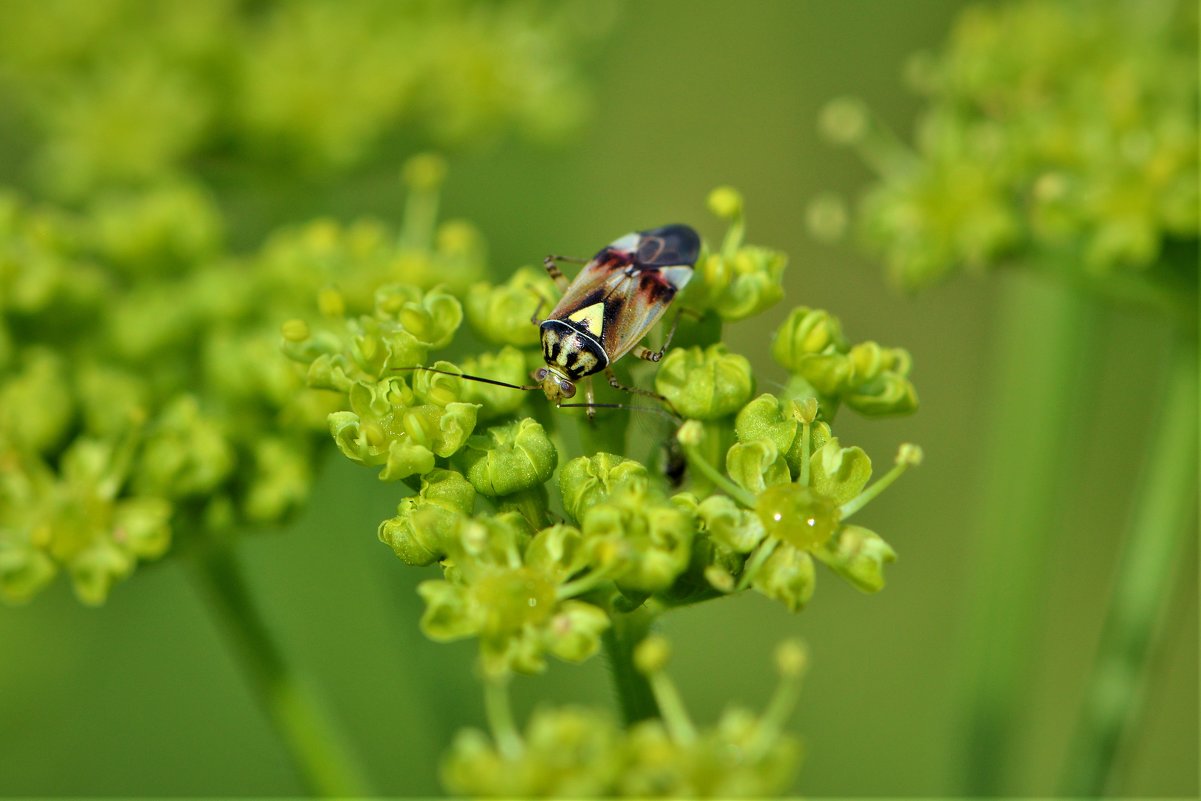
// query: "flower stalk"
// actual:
[[317, 749], [1045, 332], [1155, 540]]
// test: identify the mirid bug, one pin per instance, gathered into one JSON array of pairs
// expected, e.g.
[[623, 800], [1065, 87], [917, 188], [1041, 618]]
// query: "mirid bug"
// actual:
[[607, 309]]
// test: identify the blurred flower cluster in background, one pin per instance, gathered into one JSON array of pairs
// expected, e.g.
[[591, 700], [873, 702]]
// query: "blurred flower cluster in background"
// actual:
[[231, 231]]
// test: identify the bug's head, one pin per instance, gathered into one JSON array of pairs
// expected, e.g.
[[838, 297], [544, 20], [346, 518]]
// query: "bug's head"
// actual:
[[557, 386]]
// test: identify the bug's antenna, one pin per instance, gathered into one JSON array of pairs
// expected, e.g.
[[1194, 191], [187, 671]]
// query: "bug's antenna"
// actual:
[[492, 381]]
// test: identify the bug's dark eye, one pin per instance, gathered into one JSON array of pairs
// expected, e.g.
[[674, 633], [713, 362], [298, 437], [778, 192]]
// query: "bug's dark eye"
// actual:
[[567, 388]]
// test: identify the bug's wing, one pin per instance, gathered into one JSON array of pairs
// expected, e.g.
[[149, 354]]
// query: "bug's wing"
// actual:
[[644, 298], [627, 287]]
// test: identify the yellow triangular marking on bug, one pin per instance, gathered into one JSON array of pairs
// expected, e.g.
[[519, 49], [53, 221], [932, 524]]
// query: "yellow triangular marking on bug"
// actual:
[[593, 318]]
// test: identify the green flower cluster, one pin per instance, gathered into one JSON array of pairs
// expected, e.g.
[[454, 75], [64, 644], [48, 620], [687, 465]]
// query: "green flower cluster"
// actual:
[[575, 752], [125, 91], [1060, 134], [142, 394], [532, 572]]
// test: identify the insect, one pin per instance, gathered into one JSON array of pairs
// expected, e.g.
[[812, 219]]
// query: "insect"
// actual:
[[608, 308]]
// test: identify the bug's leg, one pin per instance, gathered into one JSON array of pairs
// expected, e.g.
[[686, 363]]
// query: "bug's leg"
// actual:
[[645, 353], [555, 273], [536, 317], [613, 382], [590, 398]]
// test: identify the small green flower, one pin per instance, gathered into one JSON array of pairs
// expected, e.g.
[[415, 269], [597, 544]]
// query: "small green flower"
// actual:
[[879, 383], [756, 465], [639, 538], [502, 313], [810, 344], [186, 453], [573, 752], [729, 525], [36, 404], [588, 480], [383, 429], [740, 280], [425, 525], [858, 555], [431, 317], [508, 589], [768, 417], [508, 365], [787, 576], [509, 458], [705, 384], [871, 379], [839, 473]]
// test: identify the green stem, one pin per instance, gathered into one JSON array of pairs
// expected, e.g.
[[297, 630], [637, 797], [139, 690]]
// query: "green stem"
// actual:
[[634, 694], [862, 499], [1155, 541], [500, 719], [318, 752], [698, 460], [1043, 335]]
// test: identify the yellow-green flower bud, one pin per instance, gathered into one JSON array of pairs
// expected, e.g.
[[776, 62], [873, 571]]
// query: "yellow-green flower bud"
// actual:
[[574, 633], [447, 614], [725, 202], [431, 317], [792, 657], [859, 556], [729, 525], [36, 404], [426, 526], [743, 284], [705, 384], [652, 654], [142, 526], [756, 465], [879, 381], [766, 417], [557, 550], [508, 365], [186, 453], [810, 343], [787, 576], [508, 458], [424, 171], [378, 346], [845, 120], [502, 313], [839, 473], [280, 479], [643, 541], [381, 430], [588, 480]]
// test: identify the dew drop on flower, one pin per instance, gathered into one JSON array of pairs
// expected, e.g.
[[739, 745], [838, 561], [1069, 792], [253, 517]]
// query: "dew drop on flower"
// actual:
[[798, 515]]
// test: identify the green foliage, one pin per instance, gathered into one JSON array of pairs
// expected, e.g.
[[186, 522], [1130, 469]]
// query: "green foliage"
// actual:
[[127, 91], [1060, 135], [143, 394]]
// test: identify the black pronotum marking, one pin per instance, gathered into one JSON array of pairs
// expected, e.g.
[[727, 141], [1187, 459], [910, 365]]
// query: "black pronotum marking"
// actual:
[[568, 347]]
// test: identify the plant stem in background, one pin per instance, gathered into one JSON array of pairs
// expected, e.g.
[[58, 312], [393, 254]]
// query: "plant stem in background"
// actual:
[[634, 694], [320, 755], [1043, 332], [1155, 543]]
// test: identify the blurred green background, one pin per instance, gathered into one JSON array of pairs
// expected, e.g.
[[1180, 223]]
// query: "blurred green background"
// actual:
[[141, 697]]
